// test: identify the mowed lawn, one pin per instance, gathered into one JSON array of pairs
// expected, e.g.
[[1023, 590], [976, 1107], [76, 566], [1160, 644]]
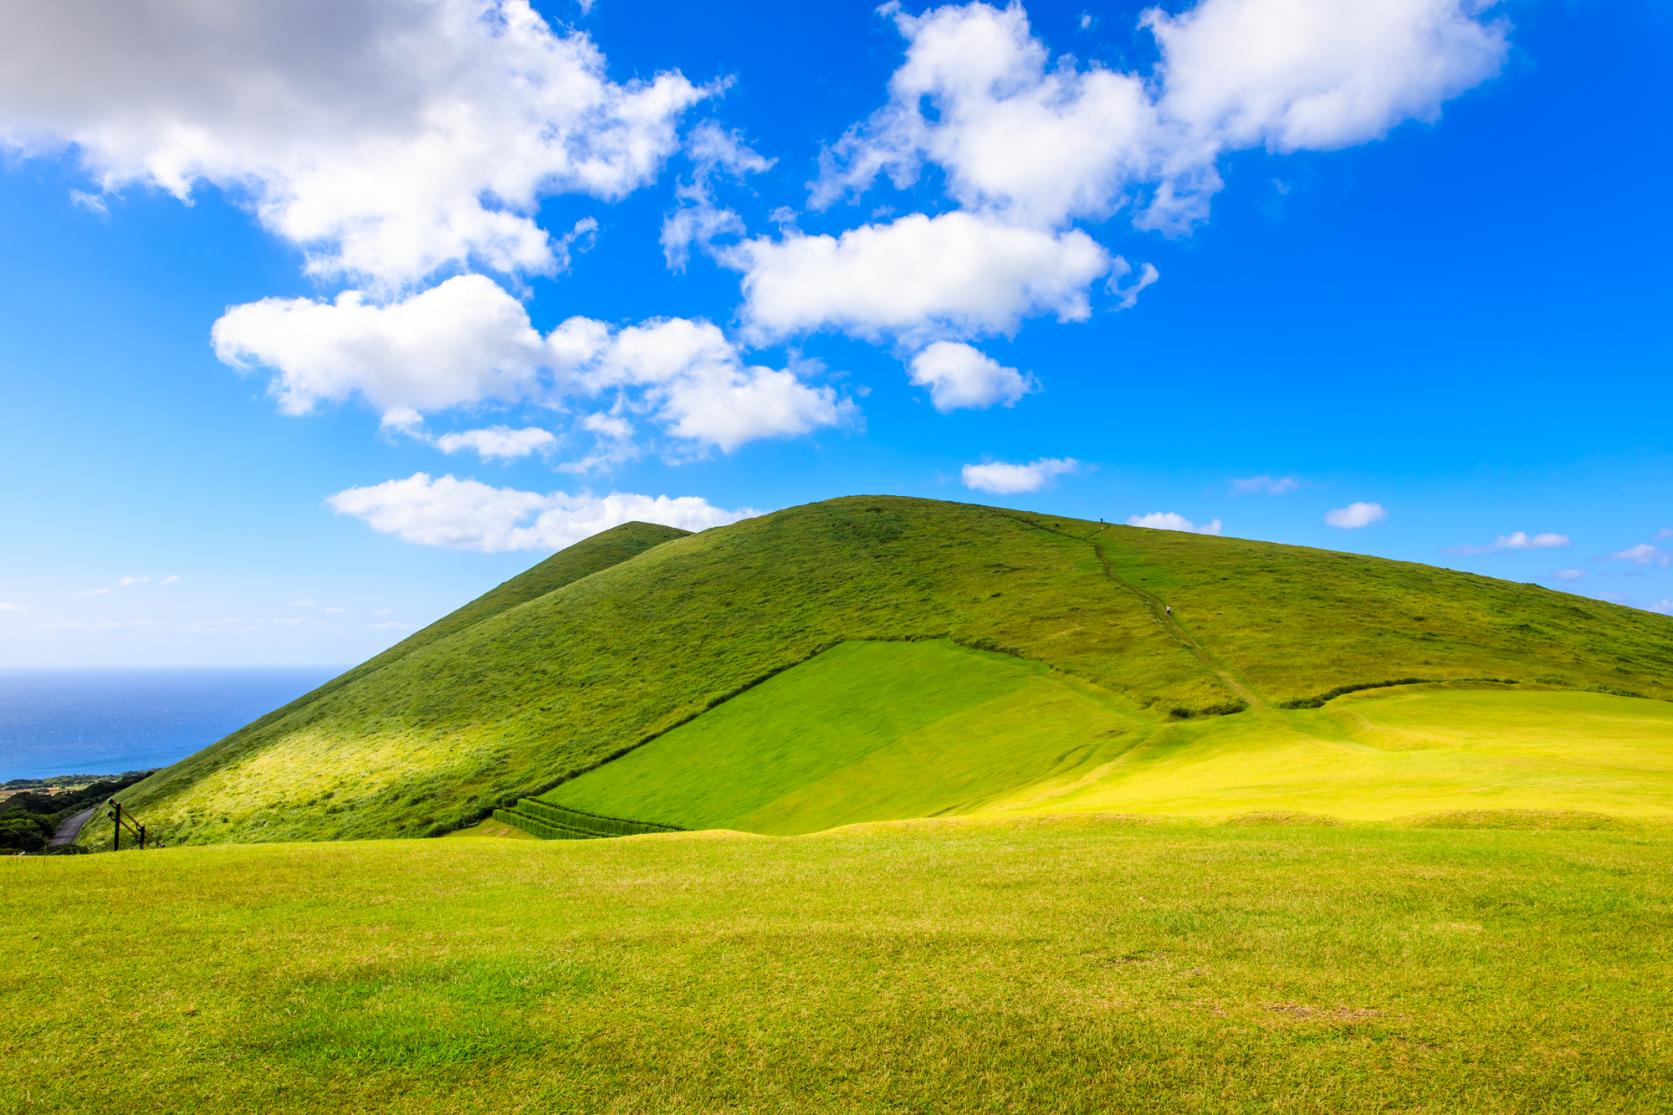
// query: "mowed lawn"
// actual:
[[1069, 963]]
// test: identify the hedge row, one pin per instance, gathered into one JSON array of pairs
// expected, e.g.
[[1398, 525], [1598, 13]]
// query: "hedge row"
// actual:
[[591, 822], [534, 826], [594, 824]]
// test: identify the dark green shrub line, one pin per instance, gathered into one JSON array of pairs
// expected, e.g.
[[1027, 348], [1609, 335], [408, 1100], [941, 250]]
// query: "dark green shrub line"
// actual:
[[536, 827], [592, 823], [1343, 690], [1226, 708]]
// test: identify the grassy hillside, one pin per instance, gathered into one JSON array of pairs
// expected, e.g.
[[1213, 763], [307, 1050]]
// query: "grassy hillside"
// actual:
[[863, 732], [1078, 964], [543, 686], [881, 731]]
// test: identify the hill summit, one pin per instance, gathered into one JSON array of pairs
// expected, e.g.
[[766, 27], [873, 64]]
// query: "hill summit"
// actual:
[[874, 658]]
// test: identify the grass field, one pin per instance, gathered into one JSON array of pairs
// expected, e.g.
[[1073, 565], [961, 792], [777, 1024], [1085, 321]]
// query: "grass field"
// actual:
[[863, 732], [1071, 964], [887, 731], [627, 636]]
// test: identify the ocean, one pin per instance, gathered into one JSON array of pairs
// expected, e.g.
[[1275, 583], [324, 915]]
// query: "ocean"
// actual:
[[110, 721]]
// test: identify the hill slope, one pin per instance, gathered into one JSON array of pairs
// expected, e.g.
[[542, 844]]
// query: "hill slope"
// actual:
[[541, 686]]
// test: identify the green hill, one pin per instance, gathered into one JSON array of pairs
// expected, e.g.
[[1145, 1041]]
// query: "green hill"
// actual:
[[873, 658]]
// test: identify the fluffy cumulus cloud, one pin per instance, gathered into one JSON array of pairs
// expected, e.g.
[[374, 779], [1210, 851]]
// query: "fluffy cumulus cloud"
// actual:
[[464, 341], [467, 342], [386, 140], [959, 273], [1008, 479], [1516, 540], [960, 376], [469, 515], [1317, 74], [499, 442], [692, 379], [978, 96], [1355, 515], [1046, 141], [1173, 520]]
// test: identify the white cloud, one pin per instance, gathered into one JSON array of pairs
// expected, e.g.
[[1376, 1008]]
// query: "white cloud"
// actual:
[[1316, 74], [1126, 297], [613, 443], [699, 219], [468, 515], [92, 202], [385, 140], [1355, 515], [499, 442], [7, 608], [171, 579], [1569, 574], [1644, 554], [695, 382], [1516, 540], [960, 376], [1008, 479], [1172, 520], [1665, 532], [1014, 134], [132, 582], [1664, 606], [463, 341], [1046, 141], [1264, 485], [608, 425], [466, 341], [957, 273]]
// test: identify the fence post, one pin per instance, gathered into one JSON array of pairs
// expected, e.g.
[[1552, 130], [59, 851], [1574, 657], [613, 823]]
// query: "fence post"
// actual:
[[142, 838], [116, 817]]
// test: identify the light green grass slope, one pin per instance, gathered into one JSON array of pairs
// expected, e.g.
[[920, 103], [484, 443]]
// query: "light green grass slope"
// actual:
[[518, 701], [1387, 754], [884, 731], [863, 732], [1070, 965]]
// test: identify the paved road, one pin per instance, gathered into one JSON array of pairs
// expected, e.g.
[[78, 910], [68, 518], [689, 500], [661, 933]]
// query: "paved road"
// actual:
[[70, 829]]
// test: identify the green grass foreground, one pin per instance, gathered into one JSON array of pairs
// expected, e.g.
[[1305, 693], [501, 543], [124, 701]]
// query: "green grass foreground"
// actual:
[[1073, 964]]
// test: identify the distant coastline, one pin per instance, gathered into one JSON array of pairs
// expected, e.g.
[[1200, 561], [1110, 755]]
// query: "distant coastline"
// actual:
[[106, 721]]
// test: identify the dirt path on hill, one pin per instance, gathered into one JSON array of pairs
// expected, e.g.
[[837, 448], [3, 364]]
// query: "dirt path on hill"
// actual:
[[67, 832], [1159, 613]]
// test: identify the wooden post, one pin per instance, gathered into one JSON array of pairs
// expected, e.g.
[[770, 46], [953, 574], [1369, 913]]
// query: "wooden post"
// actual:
[[116, 816], [142, 838]]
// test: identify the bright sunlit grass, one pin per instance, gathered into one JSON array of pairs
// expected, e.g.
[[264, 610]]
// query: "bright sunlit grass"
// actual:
[[1068, 964]]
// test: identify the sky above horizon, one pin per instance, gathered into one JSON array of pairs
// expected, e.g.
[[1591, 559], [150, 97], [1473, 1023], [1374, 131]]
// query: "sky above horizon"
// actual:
[[320, 319]]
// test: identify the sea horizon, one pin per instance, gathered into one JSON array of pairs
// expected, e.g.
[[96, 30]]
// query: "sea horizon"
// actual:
[[110, 720]]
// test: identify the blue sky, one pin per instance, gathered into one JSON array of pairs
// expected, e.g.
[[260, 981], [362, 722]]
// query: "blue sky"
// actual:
[[1409, 267]]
